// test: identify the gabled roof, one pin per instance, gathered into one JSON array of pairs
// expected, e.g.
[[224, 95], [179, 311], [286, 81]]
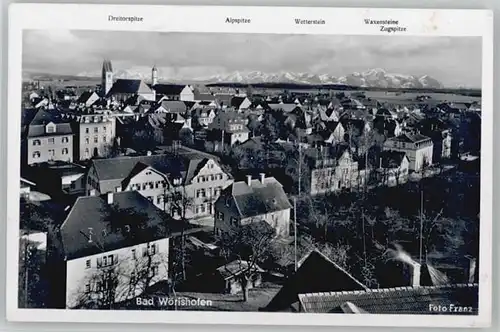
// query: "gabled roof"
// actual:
[[316, 273], [286, 108], [123, 85], [92, 214], [399, 300], [391, 159], [173, 106], [168, 89], [258, 198], [410, 138], [84, 97], [36, 127], [185, 164], [237, 101]]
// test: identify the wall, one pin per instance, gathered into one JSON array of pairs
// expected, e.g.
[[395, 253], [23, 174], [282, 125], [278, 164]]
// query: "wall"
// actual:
[[106, 132], [78, 275], [45, 146]]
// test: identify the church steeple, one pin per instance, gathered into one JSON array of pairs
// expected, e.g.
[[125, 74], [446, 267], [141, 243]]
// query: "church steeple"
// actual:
[[154, 76], [107, 76]]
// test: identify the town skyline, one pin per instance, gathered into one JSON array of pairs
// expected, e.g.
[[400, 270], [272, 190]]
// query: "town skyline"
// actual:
[[205, 56]]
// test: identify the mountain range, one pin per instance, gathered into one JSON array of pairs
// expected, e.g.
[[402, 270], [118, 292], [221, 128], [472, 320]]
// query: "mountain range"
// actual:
[[377, 78]]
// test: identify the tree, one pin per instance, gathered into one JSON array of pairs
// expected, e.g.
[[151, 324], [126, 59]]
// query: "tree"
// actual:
[[250, 245], [32, 290], [186, 137], [144, 140], [180, 203]]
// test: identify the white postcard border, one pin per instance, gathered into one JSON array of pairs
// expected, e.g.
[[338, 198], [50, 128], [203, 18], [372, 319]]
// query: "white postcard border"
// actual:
[[279, 20]]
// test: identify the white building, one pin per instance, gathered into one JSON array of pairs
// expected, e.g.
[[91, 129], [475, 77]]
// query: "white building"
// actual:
[[418, 148], [115, 246]]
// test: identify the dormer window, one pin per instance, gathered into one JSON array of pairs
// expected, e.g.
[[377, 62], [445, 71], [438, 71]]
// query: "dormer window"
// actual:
[[50, 128]]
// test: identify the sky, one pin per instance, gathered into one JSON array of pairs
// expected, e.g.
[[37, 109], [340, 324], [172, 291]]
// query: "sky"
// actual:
[[454, 61]]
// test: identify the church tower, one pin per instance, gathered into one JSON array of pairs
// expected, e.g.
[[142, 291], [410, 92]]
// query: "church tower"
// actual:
[[154, 76], [107, 77]]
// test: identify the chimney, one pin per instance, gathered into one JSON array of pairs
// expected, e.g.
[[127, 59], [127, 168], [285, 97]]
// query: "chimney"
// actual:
[[470, 272], [380, 162], [249, 180], [262, 177], [415, 274], [149, 153], [110, 198]]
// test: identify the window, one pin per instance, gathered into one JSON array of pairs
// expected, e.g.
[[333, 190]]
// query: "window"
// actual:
[[51, 140], [200, 193], [211, 177], [220, 215], [134, 254], [159, 199], [87, 130], [217, 191], [87, 288], [37, 142], [65, 151], [50, 128], [87, 141], [150, 198], [99, 262], [148, 173], [65, 140], [104, 128], [88, 264], [87, 153], [51, 153], [36, 154], [96, 139], [96, 130], [132, 278], [104, 139], [150, 249]]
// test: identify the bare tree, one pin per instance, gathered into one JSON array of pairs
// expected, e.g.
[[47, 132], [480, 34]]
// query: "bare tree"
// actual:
[[250, 245]]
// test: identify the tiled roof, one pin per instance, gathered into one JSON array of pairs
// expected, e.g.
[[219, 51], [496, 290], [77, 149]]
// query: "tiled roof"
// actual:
[[316, 273], [173, 106], [258, 198], [283, 107], [42, 117], [112, 171], [236, 101], [410, 138], [129, 86], [399, 300], [93, 212]]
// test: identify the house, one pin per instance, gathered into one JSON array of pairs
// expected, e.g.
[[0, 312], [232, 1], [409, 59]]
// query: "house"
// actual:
[[58, 178], [96, 135], [174, 91], [333, 169], [227, 278], [163, 179], [87, 99], [47, 136], [123, 89], [418, 148], [315, 273], [441, 137], [300, 120], [240, 103], [255, 200], [228, 128], [396, 301], [334, 133], [393, 168], [203, 116], [116, 243]]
